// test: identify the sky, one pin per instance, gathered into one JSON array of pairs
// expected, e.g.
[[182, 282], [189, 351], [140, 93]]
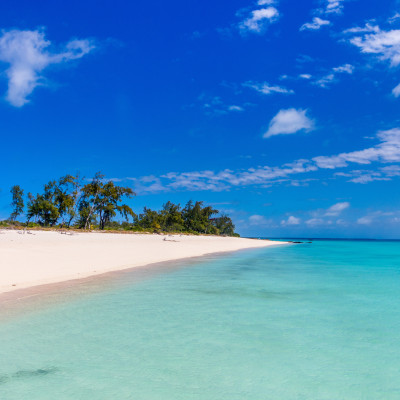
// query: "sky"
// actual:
[[282, 113]]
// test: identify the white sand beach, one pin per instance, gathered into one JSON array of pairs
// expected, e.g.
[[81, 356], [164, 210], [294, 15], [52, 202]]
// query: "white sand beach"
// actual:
[[44, 257]]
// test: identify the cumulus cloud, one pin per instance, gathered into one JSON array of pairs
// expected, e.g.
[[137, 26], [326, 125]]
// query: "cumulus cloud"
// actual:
[[265, 88], [385, 44], [288, 122], [259, 20], [291, 221], [27, 55], [316, 24], [337, 209]]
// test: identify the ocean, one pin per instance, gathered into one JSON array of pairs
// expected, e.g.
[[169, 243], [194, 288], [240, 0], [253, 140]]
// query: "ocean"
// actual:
[[309, 321]]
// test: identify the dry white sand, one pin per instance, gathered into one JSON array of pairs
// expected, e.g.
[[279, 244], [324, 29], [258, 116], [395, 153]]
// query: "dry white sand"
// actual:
[[42, 257]]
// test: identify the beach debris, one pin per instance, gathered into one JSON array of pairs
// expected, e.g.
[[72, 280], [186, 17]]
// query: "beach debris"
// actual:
[[169, 240]]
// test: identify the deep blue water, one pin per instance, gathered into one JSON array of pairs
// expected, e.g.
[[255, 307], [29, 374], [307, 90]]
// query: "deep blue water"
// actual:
[[311, 321]]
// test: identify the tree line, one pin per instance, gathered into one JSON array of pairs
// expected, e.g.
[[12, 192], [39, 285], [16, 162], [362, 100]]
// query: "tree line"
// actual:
[[71, 202]]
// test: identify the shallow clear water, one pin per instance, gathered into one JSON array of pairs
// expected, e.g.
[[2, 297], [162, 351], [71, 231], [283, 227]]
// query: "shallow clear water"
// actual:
[[313, 321]]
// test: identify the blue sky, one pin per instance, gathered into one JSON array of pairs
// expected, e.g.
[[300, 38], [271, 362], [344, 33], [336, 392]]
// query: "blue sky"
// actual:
[[282, 113]]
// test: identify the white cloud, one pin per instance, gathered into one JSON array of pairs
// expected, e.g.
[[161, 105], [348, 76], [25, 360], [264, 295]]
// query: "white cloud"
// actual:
[[334, 6], [259, 20], [215, 106], [27, 54], [265, 2], [265, 88], [337, 209], [393, 19], [386, 151], [258, 220], [315, 221], [331, 77], [364, 220], [291, 221], [367, 28], [391, 170], [385, 44], [396, 91], [346, 69], [288, 122], [305, 76], [367, 176], [235, 108], [316, 24]]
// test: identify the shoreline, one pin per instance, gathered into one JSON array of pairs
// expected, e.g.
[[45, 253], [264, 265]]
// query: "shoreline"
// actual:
[[28, 299], [45, 258]]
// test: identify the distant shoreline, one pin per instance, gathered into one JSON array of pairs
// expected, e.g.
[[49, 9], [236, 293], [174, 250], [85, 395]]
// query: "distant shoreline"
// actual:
[[47, 257]]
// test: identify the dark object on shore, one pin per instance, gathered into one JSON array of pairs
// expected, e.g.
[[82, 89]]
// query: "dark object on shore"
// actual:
[[298, 242]]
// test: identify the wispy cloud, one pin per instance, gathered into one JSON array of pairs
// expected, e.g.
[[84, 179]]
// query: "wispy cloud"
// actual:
[[334, 6], [337, 209], [317, 23], [386, 151], [266, 88], [215, 105], [367, 28], [396, 91], [27, 55], [326, 80], [367, 176], [257, 220], [288, 122], [329, 8], [315, 222], [364, 220]]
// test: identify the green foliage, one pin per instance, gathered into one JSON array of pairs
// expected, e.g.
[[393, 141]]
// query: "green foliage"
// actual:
[[149, 220], [42, 209], [171, 219], [103, 200], [194, 218], [197, 218], [68, 201], [224, 225], [17, 202]]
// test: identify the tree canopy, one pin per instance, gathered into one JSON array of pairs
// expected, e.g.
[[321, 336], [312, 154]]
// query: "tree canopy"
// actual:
[[71, 201]]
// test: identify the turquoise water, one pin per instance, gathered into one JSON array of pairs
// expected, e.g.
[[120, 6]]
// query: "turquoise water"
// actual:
[[313, 321]]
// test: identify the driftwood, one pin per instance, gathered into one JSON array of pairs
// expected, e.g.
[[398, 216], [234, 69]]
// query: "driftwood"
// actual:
[[170, 240]]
